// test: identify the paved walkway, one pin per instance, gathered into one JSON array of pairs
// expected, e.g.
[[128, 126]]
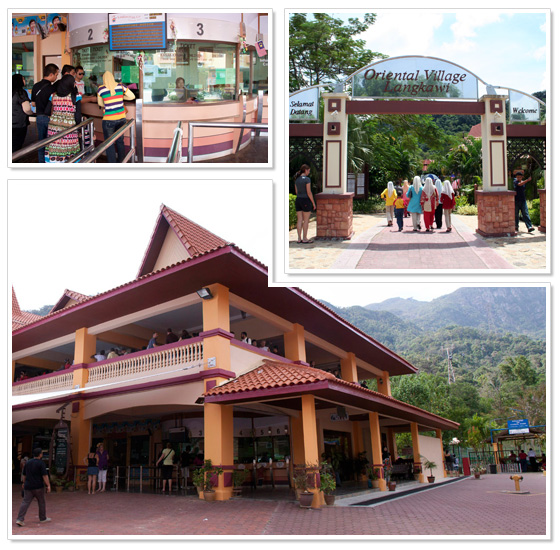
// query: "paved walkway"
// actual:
[[465, 507], [375, 246]]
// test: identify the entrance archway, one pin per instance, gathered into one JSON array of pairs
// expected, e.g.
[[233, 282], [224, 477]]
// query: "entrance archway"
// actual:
[[417, 85]]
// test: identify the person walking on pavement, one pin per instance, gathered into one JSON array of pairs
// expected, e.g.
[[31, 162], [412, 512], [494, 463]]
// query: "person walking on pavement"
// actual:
[[390, 196], [34, 480], [414, 207]]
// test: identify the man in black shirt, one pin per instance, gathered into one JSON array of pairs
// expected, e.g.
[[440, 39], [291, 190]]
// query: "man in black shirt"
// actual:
[[35, 478], [40, 96], [521, 203]]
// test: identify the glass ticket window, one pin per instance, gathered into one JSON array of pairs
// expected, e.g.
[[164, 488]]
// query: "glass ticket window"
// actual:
[[256, 68], [22, 62]]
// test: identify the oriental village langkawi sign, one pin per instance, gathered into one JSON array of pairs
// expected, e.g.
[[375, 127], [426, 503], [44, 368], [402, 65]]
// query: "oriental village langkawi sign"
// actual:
[[413, 85]]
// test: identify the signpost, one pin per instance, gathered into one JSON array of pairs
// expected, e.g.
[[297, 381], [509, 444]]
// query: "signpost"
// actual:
[[518, 426]]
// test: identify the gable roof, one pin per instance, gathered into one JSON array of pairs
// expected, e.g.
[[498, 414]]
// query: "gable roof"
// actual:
[[196, 239], [66, 297], [21, 318]]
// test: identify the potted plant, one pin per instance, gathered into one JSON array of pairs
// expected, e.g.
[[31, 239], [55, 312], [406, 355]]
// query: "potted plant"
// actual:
[[301, 483], [70, 486], [237, 479], [209, 483], [373, 476], [198, 480], [387, 471], [56, 481], [327, 484], [477, 471], [431, 466]]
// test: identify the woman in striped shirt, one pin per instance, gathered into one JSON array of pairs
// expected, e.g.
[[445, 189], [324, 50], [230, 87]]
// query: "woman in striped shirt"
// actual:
[[111, 97]]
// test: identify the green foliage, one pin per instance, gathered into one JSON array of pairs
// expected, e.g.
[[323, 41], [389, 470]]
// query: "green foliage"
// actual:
[[373, 205], [534, 207], [469, 210], [461, 200], [238, 477], [292, 211], [203, 477], [324, 49], [327, 481], [428, 464]]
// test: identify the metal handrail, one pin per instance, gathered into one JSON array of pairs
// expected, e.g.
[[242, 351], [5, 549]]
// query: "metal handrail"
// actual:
[[109, 141], [192, 125], [47, 141], [175, 152]]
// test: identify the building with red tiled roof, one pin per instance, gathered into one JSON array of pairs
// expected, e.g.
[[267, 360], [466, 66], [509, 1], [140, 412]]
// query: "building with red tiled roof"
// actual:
[[198, 350], [21, 318]]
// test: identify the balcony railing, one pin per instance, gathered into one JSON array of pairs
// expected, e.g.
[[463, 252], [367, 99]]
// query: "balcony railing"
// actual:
[[45, 383], [187, 352]]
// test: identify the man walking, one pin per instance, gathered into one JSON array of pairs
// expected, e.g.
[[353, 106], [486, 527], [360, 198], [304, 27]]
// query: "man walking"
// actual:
[[521, 202], [40, 97], [35, 478]]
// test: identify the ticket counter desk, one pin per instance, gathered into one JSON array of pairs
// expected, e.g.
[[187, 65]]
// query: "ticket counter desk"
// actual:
[[156, 123]]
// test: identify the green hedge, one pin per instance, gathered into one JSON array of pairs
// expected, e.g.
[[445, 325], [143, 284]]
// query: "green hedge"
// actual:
[[373, 205], [292, 214], [534, 207]]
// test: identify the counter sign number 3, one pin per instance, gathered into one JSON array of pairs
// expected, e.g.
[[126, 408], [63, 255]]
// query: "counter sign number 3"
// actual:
[[200, 30]]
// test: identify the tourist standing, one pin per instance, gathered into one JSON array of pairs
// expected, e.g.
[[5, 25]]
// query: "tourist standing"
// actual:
[[304, 203], [399, 209], [185, 463], [447, 203], [166, 459], [111, 97], [533, 460], [523, 460], [21, 109], [91, 460], [414, 207], [65, 113], [34, 480], [521, 202], [405, 187], [439, 208], [153, 341], [40, 98], [102, 464], [390, 195], [428, 201], [171, 337]]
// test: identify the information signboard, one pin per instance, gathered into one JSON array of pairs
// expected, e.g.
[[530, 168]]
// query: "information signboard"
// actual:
[[304, 105], [518, 426], [137, 31]]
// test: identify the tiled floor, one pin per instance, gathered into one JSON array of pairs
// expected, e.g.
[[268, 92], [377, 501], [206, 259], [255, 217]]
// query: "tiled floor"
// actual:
[[466, 507]]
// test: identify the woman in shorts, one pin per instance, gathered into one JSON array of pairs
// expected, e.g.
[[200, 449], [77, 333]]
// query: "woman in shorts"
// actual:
[[167, 456], [304, 203], [92, 470]]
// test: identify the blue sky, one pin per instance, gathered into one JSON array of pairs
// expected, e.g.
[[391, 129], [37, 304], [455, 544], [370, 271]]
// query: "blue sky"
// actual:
[[503, 48]]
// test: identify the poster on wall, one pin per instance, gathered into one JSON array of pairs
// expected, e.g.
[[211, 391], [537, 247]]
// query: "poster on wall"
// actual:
[[29, 26], [137, 31], [54, 20]]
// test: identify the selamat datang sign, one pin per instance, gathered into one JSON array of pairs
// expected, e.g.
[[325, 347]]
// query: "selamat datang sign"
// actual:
[[304, 105]]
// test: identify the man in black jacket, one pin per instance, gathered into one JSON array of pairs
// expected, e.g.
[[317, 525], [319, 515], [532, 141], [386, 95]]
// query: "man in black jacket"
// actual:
[[35, 478], [40, 96]]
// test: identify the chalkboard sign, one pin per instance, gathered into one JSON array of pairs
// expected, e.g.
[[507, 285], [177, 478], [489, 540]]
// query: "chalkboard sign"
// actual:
[[61, 450], [137, 31]]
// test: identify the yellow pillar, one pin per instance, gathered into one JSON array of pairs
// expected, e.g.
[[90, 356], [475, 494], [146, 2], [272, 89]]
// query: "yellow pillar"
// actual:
[[496, 454], [439, 436], [84, 347], [416, 449], [348, 368], [294, 344], [215, 315], [218, 442], [376, 448], [310, 443], [80, 431], [13, 371], [357, 443], [384, 384]]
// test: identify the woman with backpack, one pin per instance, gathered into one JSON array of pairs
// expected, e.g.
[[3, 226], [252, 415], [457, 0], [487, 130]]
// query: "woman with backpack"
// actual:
[[166, 458]]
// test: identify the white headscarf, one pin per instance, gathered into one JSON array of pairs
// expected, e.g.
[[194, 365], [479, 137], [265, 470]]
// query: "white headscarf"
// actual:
[[438, 186], [416, 183], [429, 187], [390, 189], [447, 188]]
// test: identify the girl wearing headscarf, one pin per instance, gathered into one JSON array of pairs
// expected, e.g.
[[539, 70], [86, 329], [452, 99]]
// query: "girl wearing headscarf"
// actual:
[[390, 195], [414, 207], [439, 207], [405, 187], [429, 200], [448, 203], [65, 112], [111, 97], [21, 109]]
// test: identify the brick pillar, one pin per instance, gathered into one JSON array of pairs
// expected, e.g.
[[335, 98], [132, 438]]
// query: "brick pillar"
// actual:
[[542, 197], [496, 213], [334, 215]]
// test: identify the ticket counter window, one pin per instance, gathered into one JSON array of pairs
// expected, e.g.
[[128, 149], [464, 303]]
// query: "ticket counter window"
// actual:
[[22, 61], [254, 72]]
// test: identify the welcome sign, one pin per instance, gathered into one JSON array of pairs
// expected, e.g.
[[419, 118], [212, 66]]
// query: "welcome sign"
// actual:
[[304, 105], [415, 77]]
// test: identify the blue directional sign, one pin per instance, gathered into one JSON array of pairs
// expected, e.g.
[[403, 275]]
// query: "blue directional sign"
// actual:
[[520, 426]]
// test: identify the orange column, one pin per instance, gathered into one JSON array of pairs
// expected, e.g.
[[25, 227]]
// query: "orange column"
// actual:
[[294, 344], [496, 454], [376, 449], [13, 371], [215, 315], [218, 442], [416, 449], [357, 443], [84, 347], [348, 368], [310, 443], [384, 384], [439, 436]]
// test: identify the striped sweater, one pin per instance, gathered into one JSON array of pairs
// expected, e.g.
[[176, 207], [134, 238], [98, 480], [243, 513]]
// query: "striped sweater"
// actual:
[[114, 104]]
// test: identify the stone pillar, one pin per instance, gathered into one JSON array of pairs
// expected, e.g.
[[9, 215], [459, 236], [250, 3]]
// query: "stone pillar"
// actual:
[[335, 215], [496, 214], [377, 448], [542, 198], [218, 442], [294, 344], [416, 450]]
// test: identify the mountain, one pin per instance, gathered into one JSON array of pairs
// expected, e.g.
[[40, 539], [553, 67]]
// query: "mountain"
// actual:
[[520, 310]]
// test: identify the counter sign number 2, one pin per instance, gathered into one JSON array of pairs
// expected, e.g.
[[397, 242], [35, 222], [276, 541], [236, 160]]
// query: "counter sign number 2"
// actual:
[[200, 30]]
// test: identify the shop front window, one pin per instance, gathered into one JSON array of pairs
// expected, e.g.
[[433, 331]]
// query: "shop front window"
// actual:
[[22, 61]]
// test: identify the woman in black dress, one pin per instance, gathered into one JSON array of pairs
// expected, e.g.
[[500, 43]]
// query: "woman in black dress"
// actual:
[[304, 203]]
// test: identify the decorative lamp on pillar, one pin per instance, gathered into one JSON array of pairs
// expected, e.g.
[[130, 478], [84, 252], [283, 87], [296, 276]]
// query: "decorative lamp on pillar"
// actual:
[[205, 293]]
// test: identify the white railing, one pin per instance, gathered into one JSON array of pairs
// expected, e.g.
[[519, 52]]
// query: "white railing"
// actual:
[[62, 381], [146, 362]]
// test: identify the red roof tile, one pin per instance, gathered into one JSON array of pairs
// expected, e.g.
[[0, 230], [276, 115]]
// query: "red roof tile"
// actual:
[[21, 318], [476, 130], [66, 297]]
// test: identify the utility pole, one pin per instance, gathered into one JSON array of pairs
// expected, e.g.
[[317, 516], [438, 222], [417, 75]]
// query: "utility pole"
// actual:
[[450, 371]]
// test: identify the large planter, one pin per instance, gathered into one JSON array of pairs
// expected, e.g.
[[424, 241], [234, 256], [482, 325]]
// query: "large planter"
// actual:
[[209, 496], [305, 499], [392, 485], [59, 488], [431, 479], [199, 490], [477, 475], [329, 500]]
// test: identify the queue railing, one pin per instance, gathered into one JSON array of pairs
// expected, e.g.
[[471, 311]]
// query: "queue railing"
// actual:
[[175, 151], [130, 156]]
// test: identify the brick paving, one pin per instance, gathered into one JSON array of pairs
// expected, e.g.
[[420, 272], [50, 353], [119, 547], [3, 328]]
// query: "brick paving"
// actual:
[[466, 507]]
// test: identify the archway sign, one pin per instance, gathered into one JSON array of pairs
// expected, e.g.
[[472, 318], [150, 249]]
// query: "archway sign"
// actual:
[[415, 85]]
